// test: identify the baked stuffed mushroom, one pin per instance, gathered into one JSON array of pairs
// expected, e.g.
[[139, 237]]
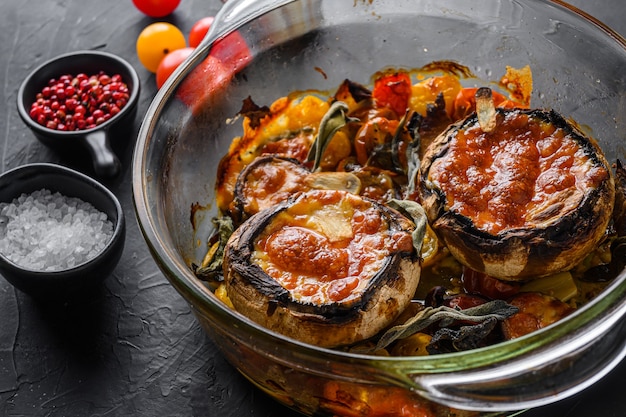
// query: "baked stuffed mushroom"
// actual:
[[528, 198], [326, 267], [270, 179]]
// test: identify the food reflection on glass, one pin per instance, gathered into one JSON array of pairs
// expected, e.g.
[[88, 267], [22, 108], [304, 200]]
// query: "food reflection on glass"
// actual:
[[417, 216]]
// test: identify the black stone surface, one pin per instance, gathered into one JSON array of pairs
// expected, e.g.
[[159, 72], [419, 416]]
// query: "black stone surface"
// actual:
[[134, 348]]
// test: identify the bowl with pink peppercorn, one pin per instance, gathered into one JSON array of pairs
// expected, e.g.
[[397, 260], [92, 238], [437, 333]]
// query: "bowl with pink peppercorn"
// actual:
[[61, 232], [80, 98]]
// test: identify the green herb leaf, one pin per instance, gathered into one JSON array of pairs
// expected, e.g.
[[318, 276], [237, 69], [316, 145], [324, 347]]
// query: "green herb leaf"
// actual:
[[211, 268], [395, 144], [412, 151], [470, 337], [334, 119], [446, 316], [416, 213]]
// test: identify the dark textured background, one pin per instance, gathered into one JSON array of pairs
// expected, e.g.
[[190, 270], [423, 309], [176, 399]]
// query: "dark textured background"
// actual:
[[135, 349]]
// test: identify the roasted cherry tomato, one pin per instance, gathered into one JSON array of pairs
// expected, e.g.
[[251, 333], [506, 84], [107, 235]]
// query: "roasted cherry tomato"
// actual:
[[199, 30], [156, 8], [475, 282], [536, 311], [375, 132], [351, 400], [393, 91], [424, 93], [170, 63], [156, 41]]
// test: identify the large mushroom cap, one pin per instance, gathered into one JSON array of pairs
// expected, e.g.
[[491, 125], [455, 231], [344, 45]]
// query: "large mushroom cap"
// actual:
[[325, 267], [531, 198]]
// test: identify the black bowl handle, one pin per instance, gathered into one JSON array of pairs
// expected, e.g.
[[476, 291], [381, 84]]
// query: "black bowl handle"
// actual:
[[105, 162]]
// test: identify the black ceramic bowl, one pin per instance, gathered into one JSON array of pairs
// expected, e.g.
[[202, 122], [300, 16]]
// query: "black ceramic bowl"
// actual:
[[68, 283], [96, 140]]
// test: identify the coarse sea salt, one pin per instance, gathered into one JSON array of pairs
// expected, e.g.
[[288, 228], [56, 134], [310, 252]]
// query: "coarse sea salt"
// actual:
[[46, 231]]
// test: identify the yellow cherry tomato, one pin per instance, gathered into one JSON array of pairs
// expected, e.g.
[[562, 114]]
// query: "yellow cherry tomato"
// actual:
[[425, 93], [156, 41], [430, 246]]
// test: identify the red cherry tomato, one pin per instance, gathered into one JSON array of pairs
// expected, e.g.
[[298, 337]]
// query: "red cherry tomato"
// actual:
[[199, 30], [156, 8], [374, 133], [208, 79], [393, 91], [169, 63], [205, 81], [232, 51], [475, 282]]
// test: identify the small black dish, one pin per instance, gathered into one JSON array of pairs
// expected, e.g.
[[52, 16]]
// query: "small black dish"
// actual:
[[96, 140], [69, 283]]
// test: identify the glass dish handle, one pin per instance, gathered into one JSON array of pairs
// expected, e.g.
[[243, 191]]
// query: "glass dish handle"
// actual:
[[236, 12], [560, 370]]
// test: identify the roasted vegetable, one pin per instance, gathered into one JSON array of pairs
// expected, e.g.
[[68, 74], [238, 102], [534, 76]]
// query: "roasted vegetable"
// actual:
[[287, 128], [325, 267], [269, 180], [265, 182], [464, 329], [519, 206], [529, 199], [536, 311]]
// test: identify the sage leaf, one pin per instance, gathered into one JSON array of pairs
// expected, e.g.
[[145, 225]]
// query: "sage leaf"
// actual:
[[444, 317], [395, 144], [470, 337], [211, 268], [412, 151], [415, 212], [334, 119]]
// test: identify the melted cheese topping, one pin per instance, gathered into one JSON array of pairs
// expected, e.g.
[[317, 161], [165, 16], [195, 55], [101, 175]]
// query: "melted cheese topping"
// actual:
[[327, 247], [526, 172], [269, 184]]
